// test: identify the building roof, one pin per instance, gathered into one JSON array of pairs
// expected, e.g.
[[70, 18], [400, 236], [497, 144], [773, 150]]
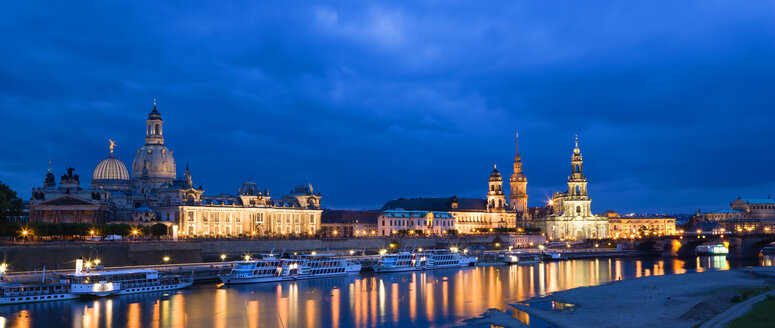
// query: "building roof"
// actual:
[[759, 200], [726, 212], [416, 214], [436, 204], [348, 216]]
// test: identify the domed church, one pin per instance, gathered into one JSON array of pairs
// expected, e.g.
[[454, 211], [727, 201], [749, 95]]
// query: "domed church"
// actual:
[[154, 190]]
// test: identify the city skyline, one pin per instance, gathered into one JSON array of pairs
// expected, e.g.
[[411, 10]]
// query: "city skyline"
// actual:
[[673, 114]]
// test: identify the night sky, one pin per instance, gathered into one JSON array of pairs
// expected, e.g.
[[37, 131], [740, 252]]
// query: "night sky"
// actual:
[[673, 102]]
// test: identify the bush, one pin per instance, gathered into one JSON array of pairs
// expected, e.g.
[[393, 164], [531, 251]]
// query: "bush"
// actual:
[[159, 229]]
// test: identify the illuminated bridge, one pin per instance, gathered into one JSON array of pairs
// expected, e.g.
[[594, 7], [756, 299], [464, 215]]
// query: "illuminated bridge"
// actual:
[[740, 245]]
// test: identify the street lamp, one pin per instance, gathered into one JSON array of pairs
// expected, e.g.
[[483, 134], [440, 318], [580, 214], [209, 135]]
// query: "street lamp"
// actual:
[[541, 247], [3, 268], [166, 259], [223, 257]]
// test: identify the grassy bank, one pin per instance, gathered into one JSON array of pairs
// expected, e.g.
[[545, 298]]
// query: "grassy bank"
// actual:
[[762, 315]]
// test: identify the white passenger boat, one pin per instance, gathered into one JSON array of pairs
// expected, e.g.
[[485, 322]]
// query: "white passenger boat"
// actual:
[[444, 258], [271, 269], [712, 250], [121, 282], [521, 258], [549, 256], [320, 266], [28, 293], [397, 262], [267, 269]]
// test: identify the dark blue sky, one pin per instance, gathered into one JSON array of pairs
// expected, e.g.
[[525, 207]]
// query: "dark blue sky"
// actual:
[[674, 102]]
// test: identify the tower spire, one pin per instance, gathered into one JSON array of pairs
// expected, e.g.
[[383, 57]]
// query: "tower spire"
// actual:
[[49, 165], [517, 143]]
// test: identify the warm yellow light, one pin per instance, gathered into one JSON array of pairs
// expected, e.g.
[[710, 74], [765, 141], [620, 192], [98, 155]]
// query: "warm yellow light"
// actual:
[[382, 251], [247, 257], [352, 252], [3, 267], [419, 250], [97, 262], [541, 247], [699, 231], [135, 231], [223, 256], [336, 232], [25, 232], [166, 259], [91, 232]]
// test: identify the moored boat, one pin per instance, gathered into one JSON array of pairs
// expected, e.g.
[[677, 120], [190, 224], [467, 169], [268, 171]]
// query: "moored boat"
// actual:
[[121, 282], [397, 262], [270, 269], [521, 258], [712, 250], [28, 293]]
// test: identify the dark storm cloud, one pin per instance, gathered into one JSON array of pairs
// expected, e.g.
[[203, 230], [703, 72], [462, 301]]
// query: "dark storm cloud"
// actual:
[[370, 101]]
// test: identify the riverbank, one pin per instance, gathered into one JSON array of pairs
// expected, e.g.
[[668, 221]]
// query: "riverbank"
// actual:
[[683, 300]]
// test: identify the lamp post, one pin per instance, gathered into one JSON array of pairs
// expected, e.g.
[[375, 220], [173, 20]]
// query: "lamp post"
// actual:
[[223, 258]]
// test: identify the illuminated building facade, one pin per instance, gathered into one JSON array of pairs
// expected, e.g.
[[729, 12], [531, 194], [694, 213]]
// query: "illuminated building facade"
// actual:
[[623, 226], [426, 222], [348, 223], [746, 214], [572, 216]]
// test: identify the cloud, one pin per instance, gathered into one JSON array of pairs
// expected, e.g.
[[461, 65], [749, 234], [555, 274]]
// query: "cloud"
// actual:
[[370, 101]]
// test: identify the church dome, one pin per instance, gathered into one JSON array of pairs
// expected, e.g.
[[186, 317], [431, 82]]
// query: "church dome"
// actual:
[[154, 161], [495, 175], [249, 189], [111, 173]]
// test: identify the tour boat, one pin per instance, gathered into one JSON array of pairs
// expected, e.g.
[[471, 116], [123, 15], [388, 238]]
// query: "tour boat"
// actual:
[[27, 293], [121, 282], [267, 269], [271, 269], [443, 258], [521, 258], [554, 257], [712, 250], [401, 261], [320, 266]]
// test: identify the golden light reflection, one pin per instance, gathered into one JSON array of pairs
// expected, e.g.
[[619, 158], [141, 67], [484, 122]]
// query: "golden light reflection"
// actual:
[[219, 317], [253, 314], [335, 300], [133, 315]]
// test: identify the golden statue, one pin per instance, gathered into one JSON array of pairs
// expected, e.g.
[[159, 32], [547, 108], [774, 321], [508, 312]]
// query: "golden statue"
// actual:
[[112, 144]]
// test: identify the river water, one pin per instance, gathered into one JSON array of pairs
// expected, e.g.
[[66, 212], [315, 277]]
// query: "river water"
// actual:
[[436, 298]]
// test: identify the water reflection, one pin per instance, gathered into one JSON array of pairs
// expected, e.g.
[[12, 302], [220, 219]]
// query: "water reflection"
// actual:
[[439, 298]]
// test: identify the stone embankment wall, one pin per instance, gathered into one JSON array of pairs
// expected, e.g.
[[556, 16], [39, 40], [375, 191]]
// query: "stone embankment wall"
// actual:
[[31, 256]]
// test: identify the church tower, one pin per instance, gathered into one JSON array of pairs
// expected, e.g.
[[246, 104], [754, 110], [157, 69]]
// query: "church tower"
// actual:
[[154, 165], [578, 202], [496, 200], [518, 183]]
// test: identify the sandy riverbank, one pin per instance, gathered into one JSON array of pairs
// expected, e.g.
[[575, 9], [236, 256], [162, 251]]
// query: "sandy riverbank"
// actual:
[[659, 301]]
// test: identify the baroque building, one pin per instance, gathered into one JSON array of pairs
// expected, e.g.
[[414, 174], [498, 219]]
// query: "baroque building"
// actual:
[[153, 193], [572, 216]]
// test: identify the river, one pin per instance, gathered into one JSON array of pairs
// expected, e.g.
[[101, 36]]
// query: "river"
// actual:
[[440, 298]]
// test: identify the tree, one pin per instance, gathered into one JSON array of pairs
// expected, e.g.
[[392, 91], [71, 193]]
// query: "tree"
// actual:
[[159, 229], [11, 205]]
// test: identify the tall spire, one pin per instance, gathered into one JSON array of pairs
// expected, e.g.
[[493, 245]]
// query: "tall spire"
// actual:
[[517, 143], [49, 165], [576, 150]]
